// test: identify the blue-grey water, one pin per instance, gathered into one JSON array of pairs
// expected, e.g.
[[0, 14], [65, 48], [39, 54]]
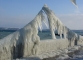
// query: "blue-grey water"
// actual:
[[45, 34]]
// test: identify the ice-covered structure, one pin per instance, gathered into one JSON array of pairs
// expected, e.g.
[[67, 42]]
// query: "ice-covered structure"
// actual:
[[26, 42]]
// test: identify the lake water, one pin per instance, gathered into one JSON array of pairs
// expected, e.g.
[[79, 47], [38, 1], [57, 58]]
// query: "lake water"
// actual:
[[45, 34]]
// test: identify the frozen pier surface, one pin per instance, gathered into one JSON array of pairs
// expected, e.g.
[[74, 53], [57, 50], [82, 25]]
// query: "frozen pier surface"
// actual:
[[25, 42]]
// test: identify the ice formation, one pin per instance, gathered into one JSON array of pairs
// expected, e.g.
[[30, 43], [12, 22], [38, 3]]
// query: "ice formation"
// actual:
[[74, 2], [26, 42], [54, 22]]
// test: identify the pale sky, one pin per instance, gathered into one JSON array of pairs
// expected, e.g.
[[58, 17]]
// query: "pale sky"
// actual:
[[18, 13]]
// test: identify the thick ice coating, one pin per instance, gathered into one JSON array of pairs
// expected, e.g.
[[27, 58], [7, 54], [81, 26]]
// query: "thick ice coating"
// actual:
[[25, 42]]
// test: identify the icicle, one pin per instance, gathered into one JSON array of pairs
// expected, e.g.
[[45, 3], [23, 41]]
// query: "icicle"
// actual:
[[64, 32], [74, 2], [39, 19], [43, 18], [45, 24]]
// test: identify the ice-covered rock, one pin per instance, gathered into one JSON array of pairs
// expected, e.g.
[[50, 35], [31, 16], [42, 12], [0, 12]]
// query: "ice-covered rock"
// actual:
[[62, 57], [30, 58], [65, 51], [74, 48]]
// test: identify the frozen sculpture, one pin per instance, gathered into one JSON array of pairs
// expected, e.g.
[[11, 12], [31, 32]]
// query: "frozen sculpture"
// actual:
[[26, 42]]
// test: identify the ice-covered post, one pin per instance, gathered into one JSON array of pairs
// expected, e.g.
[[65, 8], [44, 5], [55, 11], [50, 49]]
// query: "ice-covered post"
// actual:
[[54, 22], [51, 29], [31, 37], [50, 20]]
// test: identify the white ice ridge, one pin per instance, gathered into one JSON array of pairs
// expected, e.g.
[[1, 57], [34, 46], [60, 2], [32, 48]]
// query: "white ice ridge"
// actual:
[[25, 42]]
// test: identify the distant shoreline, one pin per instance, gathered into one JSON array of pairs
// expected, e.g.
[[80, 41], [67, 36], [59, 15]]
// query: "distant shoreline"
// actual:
[[8, 30]]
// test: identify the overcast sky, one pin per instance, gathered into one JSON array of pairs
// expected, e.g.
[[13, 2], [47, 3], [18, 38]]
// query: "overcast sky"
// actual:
[[17, 13]]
